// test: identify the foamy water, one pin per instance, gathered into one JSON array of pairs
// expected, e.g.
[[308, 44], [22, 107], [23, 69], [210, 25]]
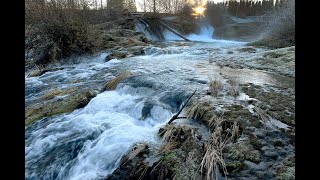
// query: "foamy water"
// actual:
[[97, 135], [205, 35]]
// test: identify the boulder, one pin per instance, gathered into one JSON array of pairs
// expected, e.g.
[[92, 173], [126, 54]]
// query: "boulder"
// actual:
[[116, 55]]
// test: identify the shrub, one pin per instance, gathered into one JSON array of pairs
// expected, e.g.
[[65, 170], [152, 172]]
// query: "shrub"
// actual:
[[278, 27], [62, 30]]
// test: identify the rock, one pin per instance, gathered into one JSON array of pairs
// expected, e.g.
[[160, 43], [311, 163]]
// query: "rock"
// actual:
[[260, 134], [287, 174], [255, 142], [116, 55], [247, 49], [73, 101], [260, 166], [278, 143], [184, 160], [242, 151], [133, 41], [136, 150], [136, 50], [271, 154], [133, 164], [35, 73]]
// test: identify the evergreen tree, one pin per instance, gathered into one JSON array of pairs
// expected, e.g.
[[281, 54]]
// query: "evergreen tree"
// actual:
[[241, 10], [259, 8]]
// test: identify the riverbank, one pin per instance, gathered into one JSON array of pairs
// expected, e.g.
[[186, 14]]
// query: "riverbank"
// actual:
[[253, 114], [132, 98]]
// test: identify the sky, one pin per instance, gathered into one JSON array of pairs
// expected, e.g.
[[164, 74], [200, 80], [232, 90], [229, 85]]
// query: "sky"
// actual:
[[138, 2]]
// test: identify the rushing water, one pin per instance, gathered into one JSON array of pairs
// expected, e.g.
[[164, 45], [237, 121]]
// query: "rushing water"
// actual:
[[89, 142]]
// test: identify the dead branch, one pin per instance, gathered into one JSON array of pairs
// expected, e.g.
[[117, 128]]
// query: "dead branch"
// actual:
[[176, 115]]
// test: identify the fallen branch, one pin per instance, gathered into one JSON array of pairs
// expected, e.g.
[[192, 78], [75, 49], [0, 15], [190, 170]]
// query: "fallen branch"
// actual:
[[174, 31], [176, 115]]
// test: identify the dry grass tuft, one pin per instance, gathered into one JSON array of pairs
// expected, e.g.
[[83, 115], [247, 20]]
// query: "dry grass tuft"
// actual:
[[223, 132], [213, 158], [199, 110], [168, 147], [144, 169], [111, 85], [235, 132], [262, 114], [215, 86], [171, 134], [175, 133], [234, 88], [215, 121]]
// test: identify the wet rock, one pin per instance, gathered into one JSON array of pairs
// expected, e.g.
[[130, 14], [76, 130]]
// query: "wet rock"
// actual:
[[133, 165], [282, 166], [286, 174], [252, 165], [247, 49], [116, 55], [277, 102], [242, 151], [73, 101], [278, 143], [183, 161], [260, 134], [271, 154], [35, 73], [180, 161], [133, 41], [136, 50]]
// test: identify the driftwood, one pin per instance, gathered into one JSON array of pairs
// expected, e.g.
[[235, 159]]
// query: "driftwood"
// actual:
[[176, 115]]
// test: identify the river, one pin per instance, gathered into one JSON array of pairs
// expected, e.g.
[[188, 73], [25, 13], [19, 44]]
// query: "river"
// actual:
[[89, 142]]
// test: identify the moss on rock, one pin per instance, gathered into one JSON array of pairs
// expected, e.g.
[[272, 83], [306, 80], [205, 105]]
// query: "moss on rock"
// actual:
[[241, 151], [235, 166], [46, 109]]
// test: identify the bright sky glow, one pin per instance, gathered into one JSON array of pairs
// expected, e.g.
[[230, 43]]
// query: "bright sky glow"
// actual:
[[140, 2], [199, 10]]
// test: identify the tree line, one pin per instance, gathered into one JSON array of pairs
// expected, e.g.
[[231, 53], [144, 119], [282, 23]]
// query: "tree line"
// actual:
[[244, 8], [232, 7]]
